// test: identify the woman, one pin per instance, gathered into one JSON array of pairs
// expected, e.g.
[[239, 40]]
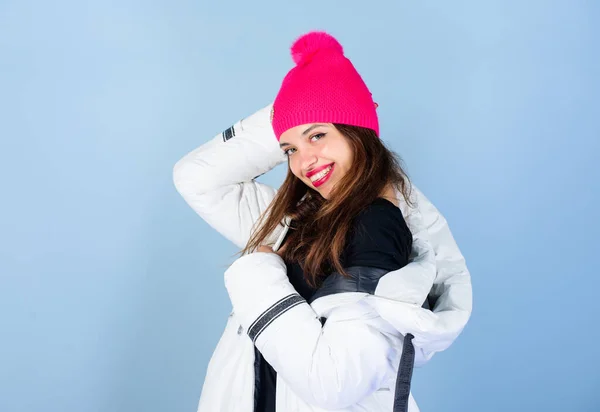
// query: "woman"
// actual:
[[345, 338]]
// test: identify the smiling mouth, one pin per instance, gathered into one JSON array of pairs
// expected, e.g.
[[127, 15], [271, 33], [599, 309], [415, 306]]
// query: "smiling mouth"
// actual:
[[321, 174]]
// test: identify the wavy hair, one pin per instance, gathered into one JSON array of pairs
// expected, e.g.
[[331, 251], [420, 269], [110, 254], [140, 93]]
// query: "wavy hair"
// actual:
[[320, 227]]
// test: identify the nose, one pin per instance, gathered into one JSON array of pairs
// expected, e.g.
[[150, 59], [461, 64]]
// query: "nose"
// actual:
[[308, 160]]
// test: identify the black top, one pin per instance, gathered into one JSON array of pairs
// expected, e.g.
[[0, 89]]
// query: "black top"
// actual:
[[379, 238]]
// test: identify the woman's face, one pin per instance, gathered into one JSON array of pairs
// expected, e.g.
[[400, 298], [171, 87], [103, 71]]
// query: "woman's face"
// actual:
[[318, 154]]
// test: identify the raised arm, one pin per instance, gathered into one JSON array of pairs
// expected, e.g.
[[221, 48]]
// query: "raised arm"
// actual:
[[217, 178]]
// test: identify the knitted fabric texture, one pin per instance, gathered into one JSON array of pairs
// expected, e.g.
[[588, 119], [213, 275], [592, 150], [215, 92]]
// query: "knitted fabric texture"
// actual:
[[323, 87]]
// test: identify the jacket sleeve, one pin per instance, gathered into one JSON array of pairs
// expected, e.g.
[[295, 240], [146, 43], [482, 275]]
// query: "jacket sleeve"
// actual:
[[452, 290], [437, 273], [217, 178], [332, 365]]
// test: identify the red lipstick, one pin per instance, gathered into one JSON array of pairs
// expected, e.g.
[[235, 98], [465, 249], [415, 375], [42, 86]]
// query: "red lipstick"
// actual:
[[325, 178], [317, 170]]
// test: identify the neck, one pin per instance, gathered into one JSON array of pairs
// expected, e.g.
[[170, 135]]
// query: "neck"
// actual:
[[390, 194]]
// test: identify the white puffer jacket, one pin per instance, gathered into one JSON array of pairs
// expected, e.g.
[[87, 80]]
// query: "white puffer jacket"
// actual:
[[351, 362]]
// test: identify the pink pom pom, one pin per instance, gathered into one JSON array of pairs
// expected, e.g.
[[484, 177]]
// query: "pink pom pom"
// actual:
[[309, 44]]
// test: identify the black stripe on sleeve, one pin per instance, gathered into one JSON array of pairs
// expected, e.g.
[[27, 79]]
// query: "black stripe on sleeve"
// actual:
[[228, 134], [275, 311]]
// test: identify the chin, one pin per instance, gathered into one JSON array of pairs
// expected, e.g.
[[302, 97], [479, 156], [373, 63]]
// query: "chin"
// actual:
[[324, 194]]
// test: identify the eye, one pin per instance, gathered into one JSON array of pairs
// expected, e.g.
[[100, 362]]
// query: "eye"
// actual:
[[313, 138]]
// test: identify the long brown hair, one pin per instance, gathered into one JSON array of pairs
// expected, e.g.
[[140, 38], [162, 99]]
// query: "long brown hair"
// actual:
[[320, 226]]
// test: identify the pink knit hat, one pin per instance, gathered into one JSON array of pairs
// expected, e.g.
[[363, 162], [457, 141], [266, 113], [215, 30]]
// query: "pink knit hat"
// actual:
[[324, 87]]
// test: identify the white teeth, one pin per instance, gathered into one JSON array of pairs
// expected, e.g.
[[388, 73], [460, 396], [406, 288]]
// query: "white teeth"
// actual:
[[320, 175]]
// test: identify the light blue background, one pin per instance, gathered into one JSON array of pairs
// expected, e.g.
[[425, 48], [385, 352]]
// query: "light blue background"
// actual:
[[111, 290]]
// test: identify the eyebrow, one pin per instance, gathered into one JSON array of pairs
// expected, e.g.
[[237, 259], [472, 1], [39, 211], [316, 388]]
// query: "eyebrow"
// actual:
[[314, 126]]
